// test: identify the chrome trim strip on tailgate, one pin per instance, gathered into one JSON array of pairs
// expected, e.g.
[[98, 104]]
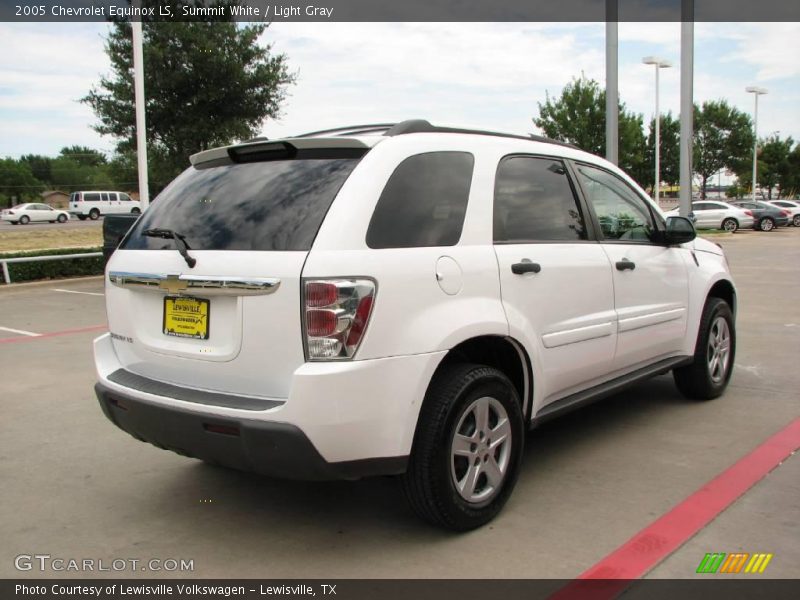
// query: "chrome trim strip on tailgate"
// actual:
[[195, 284]]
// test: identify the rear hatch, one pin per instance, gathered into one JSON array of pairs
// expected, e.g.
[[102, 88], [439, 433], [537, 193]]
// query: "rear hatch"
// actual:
[[248, 216]]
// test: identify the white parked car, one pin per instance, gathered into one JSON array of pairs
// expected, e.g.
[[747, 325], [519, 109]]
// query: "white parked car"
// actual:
[[791, 206], [715, 214], [33, 213], [93, 205], [401, 300]]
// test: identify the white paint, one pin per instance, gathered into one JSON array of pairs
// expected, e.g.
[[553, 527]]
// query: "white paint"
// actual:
[[76, 292], [20, 331]]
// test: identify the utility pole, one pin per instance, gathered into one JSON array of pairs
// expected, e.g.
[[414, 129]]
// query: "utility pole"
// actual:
[[687, 105], [141, 132], [756, 91], [612, 95]]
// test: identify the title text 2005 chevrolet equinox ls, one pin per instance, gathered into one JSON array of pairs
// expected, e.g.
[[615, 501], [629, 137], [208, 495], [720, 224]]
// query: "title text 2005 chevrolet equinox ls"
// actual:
[[400, 299]]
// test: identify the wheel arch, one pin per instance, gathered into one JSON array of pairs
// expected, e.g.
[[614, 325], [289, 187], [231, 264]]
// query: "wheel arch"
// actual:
[[505, 354], [724, 290]]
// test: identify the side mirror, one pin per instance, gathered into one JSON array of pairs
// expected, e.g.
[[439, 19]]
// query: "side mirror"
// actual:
[[679, 231]]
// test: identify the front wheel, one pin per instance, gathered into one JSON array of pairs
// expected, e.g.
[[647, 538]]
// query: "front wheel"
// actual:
[[766, 224], [796, 220], [135, 211], [710, 371], [730, 224], [62, 218], [467, 447]]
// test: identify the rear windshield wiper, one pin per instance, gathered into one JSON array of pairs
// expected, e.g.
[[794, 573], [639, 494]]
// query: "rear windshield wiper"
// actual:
[[180, 242]]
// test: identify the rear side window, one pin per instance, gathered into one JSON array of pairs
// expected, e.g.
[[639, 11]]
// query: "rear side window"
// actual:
[[534, 202], [91, 197], [266, 205], [424, 202]]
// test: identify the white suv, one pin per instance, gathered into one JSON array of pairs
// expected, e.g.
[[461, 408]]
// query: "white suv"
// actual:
[[405, 300]]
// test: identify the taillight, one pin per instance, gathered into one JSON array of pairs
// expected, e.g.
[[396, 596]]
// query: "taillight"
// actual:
[[786, 213], [749, 213], [335, 316]]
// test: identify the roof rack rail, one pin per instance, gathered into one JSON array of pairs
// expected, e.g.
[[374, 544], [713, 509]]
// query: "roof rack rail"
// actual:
[[350, 129], [423, 126], [256, 139]]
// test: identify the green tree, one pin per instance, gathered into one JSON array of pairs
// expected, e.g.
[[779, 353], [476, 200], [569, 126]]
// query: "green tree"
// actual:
[[39, 165], [723, 139], [578, 116], [791, 187], [84, 155], [669, 159], [70, 175], [207, 84], [773, 163], [17, 181]]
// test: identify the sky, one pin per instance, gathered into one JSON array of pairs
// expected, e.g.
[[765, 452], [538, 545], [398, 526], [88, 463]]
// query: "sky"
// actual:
[[481, 75]]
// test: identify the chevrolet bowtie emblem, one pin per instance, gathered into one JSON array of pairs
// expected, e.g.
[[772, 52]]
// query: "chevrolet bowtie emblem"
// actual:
[[172, 284]]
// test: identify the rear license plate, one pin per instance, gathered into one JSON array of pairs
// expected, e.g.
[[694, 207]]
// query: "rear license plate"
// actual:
[[186, 317]]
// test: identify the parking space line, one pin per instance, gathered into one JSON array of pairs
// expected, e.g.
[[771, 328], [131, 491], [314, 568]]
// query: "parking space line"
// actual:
[[40, 336], [20, 331], [76, 292], [666, 534]]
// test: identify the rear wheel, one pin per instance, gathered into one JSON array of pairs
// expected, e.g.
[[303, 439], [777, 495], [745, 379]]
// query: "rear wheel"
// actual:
[[708, 374], [730, 224], [24, 220], [94, 214], [467, 448], [766, 224], [62, 218], [796, 220]]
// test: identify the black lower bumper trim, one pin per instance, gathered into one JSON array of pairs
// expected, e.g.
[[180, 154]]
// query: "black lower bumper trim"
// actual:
[[270, 448]]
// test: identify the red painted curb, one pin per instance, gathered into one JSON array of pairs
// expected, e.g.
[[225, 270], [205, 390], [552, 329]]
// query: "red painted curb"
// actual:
[[666, 534], [42, 336]]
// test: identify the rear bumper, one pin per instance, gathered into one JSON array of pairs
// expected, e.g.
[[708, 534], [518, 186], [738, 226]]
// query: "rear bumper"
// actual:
[[269, 448], [342, 420]]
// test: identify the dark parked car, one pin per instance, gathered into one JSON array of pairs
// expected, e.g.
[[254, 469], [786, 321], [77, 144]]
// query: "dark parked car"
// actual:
[[114, 229], [765, 216]]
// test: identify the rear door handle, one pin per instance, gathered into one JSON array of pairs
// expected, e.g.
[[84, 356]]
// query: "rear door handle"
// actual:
[[625, 265], [525, 266]]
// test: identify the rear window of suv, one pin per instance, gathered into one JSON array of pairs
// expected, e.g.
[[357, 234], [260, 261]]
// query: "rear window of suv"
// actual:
[[266, 205]]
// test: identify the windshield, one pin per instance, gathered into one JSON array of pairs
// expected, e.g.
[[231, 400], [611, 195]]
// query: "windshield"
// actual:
[[272, 205]]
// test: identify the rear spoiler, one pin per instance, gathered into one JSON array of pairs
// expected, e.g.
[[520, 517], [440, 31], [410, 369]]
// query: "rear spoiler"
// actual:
[[280, 149]]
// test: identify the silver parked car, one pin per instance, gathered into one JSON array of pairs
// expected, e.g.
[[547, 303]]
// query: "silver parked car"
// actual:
[[716, 214]]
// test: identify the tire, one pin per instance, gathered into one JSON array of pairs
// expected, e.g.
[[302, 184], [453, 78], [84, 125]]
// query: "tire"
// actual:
[[62, 218], [136, 211], [703, 379], [437, 464], [94, 214], [796, 220], [730, 224], [766, 224], [24, 220], [82, 217]]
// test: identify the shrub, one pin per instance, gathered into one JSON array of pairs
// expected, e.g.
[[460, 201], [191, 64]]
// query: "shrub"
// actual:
[[53, 269]]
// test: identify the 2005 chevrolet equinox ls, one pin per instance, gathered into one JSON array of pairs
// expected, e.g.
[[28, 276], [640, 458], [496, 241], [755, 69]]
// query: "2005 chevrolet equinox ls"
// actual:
[[400, 300]]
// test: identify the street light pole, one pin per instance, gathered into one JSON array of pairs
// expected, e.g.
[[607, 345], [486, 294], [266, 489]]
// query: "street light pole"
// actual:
[[659, 64], [756, 91]]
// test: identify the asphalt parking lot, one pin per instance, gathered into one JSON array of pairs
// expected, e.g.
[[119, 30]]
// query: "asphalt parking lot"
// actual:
[[76, 487]]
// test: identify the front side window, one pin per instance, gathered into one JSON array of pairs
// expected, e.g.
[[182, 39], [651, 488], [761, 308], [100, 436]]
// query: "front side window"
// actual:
[[124, 197], [623, 215], [534, 201], [424, 202]]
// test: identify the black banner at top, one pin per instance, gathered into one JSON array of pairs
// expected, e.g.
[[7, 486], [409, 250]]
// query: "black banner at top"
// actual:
[[401, 10]]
